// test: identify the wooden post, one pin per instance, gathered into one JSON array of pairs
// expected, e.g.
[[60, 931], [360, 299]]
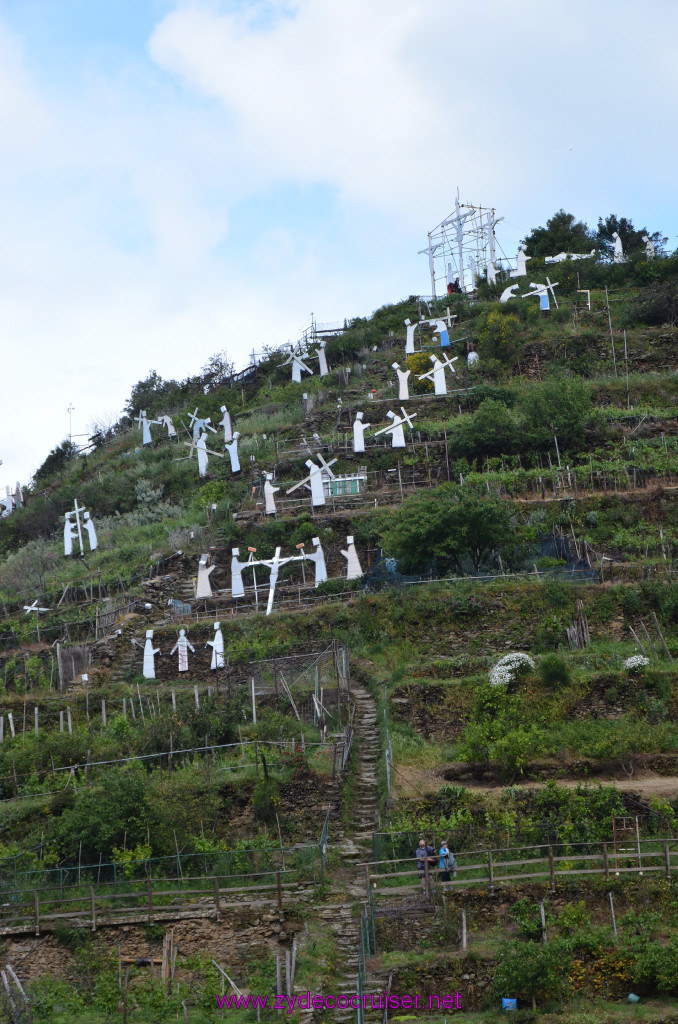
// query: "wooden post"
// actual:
[[552, 870], [667, 859], [288, 972], [36, 911], [606, 863], [278, 980], [92, 908], [35, 716], [661, 637], [463, 931], [490, 873], [217, 901], [614, 922], [279, 891], [87, 766], [174, 702], [197, 698], [542, 915], [103, 713], [70, 721], [150, 901]]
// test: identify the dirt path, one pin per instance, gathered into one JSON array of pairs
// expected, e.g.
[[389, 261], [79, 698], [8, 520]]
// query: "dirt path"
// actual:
[[413, 782]]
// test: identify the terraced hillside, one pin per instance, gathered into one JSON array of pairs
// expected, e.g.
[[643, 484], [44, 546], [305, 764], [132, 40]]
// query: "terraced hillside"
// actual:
[[251, 825]]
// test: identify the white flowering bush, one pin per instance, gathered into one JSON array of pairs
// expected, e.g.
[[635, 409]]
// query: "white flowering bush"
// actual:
[[510, 667], [636, 663]]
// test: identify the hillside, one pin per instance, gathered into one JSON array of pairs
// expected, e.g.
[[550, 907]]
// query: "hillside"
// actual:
[[263, 812]]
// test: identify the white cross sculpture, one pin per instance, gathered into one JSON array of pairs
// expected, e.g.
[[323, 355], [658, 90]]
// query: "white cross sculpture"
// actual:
[[217, 646], [542, 293], [35, 608], [359, 429], [201, 450], [199, 425], [437, 374], [353, 568], [226, 423], [73, 529], [395, 429], [269, 495], [314, 481], [182, 646], [297, 364], [203, 587]]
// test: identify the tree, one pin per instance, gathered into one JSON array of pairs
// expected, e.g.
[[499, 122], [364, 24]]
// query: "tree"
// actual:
[[632, 238], [562, 234], [56, 461], [557, 405], [529, 969], [451, 524]]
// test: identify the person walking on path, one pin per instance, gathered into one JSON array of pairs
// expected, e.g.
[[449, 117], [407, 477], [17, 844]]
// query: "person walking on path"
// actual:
[[425, 855], [446, 863]]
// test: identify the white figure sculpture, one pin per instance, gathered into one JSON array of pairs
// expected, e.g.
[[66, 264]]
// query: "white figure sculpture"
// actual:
[[562, 256], [395, 428], [650, 250], [509, 293], [203, 587], [542, 293], [201, 450], [474, 271], [403, 386], [237, 588], [472, 358], [314, 481], [232, 449], [149, 656], [73, 528], [145, 427], [182, 646], [297, 364], [521, 269], [217, 646], [269, 492], [70, 533], [166, 421], [91, 532], [437, 374], [318, 558], [440, 327], [353, 569], [225, 422], [491, 273], [199, 425], [409, 343], [322, 359], [359, 429], [619, 256]]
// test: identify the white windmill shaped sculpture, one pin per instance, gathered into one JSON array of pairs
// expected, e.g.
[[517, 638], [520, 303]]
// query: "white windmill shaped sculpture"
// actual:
[[297, 363], [28, 608], [396, 428], [314, 481], [198, 424], [437, 373]]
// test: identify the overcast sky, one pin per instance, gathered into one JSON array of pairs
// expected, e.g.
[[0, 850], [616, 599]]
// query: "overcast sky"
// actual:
[[180, 178]]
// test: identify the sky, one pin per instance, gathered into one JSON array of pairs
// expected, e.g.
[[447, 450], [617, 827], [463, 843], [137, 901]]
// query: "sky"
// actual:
[[183, 178]]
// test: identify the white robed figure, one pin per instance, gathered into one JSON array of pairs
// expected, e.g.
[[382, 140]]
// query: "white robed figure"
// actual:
[[315, 481], [440, 327], [269, 495], [166, 421], [201, 450], [237, 586], [409, 341], [403, 385], [439, 382], [226, 423], [149, 656], [91, 532], [69, 533], [145, 425], [322, 359], [217, 646], [232, 449], [182, 645], [203, 585], [359, 429], [318, 558], [396, 431], [353, 567]]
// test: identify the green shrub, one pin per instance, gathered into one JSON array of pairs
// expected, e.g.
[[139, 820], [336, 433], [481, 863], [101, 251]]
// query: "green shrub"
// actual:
[[265, 800], [554, 671]]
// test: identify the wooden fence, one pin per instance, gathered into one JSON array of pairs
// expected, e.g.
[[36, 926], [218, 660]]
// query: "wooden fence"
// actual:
[[385, 878], [147, 901]]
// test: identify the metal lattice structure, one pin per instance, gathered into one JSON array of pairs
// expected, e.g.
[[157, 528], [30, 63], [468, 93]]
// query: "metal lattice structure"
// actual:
[[462, 247]]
